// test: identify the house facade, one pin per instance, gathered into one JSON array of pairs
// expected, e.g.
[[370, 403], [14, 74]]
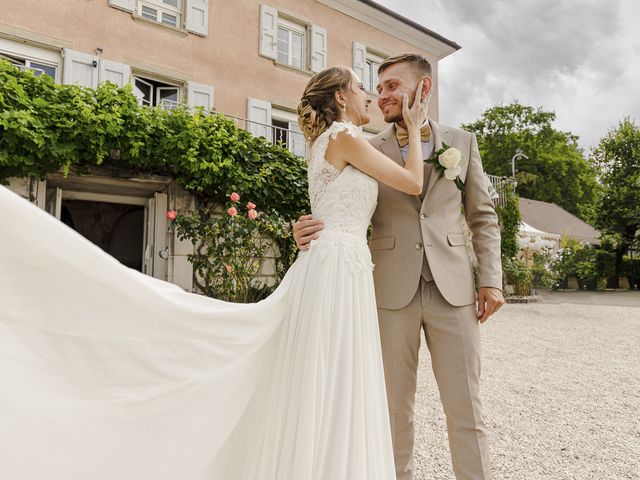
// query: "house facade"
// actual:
[[245, 59]]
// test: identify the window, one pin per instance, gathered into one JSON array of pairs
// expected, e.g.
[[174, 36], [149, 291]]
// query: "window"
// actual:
[[168, 12], [191, 15], [370, 79], [277, 125], [154, 93], [291, 43], [366, 63], [38, 67], [287, 133]]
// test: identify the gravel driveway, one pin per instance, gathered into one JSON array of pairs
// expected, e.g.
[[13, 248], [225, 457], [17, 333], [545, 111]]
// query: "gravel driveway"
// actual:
[[561, 392]]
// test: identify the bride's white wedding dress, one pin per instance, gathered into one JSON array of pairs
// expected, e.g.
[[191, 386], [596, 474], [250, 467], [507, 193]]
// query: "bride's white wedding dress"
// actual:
[[106, 373]]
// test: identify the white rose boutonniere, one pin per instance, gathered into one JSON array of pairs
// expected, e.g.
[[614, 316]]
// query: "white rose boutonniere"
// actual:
[[447, 162]]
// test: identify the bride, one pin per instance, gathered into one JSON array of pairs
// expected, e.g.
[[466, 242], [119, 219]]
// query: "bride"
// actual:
[[106, 373]]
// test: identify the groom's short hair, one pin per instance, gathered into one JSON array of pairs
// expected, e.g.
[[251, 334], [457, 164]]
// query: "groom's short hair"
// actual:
[[420, 64]]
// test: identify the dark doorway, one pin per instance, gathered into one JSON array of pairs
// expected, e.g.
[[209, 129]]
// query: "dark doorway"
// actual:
[[116, 228]]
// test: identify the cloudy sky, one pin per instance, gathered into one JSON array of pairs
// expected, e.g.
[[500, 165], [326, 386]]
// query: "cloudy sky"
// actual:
[[578, 58]]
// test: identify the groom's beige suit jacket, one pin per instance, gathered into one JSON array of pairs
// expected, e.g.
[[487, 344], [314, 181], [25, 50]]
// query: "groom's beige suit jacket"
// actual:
[[405, 228]]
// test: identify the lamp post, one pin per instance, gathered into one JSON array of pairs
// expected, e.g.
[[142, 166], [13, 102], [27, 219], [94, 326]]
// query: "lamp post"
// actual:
[[518, 155]]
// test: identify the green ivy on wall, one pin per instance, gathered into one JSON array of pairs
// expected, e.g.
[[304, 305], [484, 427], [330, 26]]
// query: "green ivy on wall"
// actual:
[[46, 128]]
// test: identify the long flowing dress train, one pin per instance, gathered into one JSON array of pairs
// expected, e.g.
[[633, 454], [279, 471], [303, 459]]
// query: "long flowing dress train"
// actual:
[[106, 373]]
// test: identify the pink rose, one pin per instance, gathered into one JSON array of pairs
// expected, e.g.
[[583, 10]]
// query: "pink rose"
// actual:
[[234, 197], [251, 206], [171, 215], [229, 268], [252, 214], [232, 211]]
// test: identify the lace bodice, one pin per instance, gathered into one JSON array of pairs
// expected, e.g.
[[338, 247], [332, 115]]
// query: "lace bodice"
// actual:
[[343, 199]]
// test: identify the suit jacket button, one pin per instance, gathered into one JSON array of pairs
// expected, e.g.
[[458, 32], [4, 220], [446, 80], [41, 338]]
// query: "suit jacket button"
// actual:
[[422, 216], [418, 246]]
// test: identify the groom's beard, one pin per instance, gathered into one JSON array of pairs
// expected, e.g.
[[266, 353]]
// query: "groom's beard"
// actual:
[[394, 118]]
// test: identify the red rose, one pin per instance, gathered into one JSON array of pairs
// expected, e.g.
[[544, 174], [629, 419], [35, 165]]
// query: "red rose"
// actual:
[[171, 215], [234, 197]]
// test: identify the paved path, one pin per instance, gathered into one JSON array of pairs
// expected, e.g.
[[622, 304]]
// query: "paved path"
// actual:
[[561, 391]]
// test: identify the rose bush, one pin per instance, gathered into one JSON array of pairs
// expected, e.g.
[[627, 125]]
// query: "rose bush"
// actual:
[[231, 250]]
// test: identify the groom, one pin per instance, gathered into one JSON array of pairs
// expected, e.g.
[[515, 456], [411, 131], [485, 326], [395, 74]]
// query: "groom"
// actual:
[[424, 279]]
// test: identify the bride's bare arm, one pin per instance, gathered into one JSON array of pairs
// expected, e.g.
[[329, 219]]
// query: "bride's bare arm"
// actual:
[[359, 153]]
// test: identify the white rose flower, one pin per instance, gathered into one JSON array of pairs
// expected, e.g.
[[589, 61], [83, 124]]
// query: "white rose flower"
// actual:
[[452, 173], [450, 158]]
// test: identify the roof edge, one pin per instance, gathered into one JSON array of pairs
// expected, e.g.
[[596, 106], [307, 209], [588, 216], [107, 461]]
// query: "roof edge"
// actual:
[[411, 23]]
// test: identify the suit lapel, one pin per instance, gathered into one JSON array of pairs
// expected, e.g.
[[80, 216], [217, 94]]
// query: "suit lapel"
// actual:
[[439, 135], [389, 145]]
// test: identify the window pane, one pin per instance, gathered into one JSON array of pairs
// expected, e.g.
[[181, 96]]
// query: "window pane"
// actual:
[[149, 13], [296, 49], [283, 45], [169, 19], [40, 69], [171, 95], [143, 92], [171, 3], [280, 131]]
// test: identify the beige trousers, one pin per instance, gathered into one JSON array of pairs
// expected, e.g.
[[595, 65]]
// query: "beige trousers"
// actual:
[[453, 339]]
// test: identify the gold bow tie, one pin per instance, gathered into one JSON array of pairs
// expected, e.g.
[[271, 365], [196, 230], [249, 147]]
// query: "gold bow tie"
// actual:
[[403, 135]]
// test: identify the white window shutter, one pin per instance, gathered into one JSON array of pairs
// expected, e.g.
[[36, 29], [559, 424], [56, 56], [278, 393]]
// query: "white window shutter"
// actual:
[[268, 31], [128, 5], [259, 118], [359, 59], [200, 95], [198, 16], [297, 143], [80, 69], [115, 72], [318, 48]]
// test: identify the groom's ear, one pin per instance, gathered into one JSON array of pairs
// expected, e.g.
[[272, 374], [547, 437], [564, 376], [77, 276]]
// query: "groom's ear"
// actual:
[[426, 87]]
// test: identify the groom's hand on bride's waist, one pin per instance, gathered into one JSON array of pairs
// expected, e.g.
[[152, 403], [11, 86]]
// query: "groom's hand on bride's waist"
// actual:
[[305, 230]]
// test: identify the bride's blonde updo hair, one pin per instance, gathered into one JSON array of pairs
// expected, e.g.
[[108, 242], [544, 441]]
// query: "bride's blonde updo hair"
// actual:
[[318, 108]]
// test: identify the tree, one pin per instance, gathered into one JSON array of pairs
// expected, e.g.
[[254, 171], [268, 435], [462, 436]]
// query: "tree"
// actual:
[[555, 171], [618, 156]]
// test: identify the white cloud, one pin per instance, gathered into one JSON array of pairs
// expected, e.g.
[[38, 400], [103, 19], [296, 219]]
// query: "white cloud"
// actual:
[[578, 58]]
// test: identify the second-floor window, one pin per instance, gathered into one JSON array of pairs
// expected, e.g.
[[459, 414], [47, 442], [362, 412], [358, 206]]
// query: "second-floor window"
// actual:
[[168, 12], [371, 66], [291, 43], [366, 63]]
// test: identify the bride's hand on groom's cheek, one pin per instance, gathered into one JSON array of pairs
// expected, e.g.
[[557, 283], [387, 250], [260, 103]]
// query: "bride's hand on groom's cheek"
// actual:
[[305, 230]]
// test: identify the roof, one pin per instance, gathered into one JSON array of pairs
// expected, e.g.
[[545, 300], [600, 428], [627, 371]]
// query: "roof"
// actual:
[[551, 218], [411, 23]]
